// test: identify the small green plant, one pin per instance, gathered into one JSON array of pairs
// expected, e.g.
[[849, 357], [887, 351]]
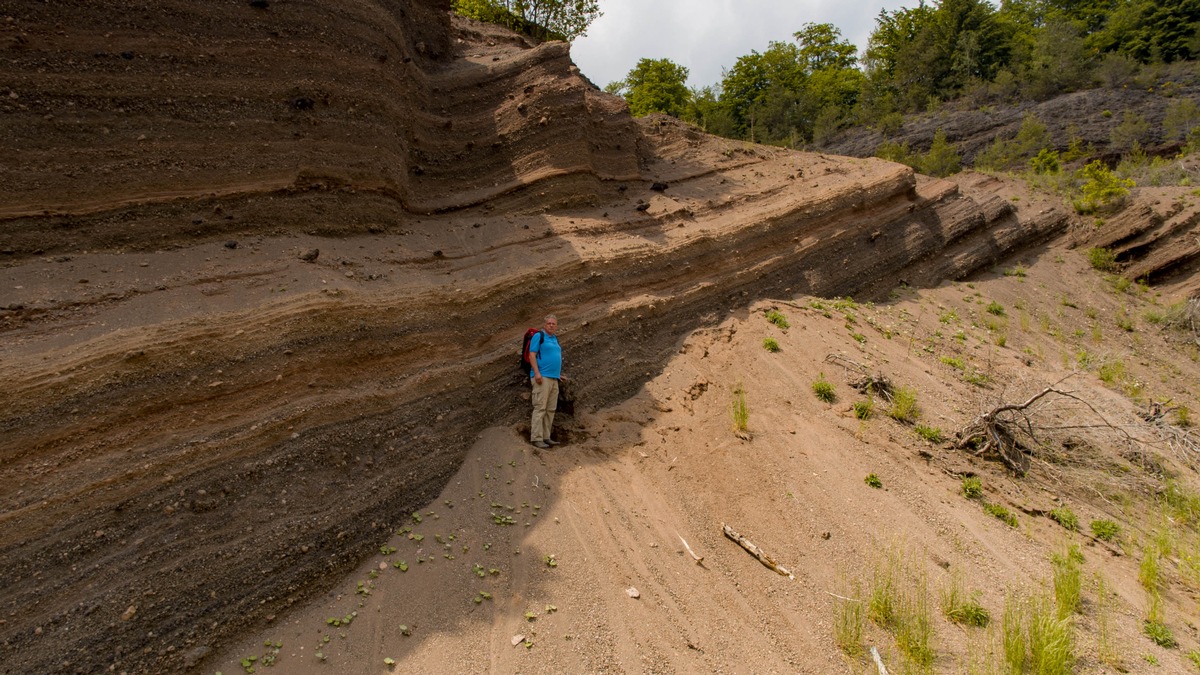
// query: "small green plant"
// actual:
[[873, 481], [1125, 323], [739, 409], [823, 390], [954, 362], [972, 488], [864, 409], [848, 622], [771, 344], [1105, 530], [550, 561], [1017, 271], [1159, 633], [1051, 642], [962, 607], [1013, 631], [1102, 259], [904, 405], [1111, 371], [1000, 513], [1067, 581], [1183, 417], [778, 319], [1065, 517], [1101, 188], [976, 377], [931, 434], [995, 308], [1105, 649]]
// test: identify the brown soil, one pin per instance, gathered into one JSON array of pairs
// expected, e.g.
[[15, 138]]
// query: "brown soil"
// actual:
[[207, 435]]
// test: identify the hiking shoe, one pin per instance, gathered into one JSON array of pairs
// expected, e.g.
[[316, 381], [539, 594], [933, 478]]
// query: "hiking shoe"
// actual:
[[550, 442], [540, 445]]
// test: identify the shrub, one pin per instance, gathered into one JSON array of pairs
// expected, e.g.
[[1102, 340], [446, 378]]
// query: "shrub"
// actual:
[[1046, 162], [824, 390], [904, 405], [955, 362], [1159, 634], [1000, 513], [942, 158], [864, 409], [961, 607], [1102, 259], [778, 319], [931, 434], [1101, 188], [1067, 581], [1065, 517], [995, 308], [873, 481], [771, 344], [739, 409], [972, 488], [1105, 530]]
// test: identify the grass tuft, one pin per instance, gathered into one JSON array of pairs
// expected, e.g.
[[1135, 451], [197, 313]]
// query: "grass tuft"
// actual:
[[1000, 513], [823, 390], [1065, 517], [995, 308], [1067, 581], [771, 344], [873, 481], [778, 319], [848, 623], [864, 409], [931, 434], [739, 409], [972, 488], [962, 607], [904, 405], [1105, 530]]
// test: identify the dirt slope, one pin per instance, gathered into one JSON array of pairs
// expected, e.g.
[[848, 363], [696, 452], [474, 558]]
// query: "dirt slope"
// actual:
[[264, 271], [612, 508]]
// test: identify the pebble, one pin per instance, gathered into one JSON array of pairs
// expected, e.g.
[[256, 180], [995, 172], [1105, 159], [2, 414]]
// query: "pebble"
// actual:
[[633, 593]]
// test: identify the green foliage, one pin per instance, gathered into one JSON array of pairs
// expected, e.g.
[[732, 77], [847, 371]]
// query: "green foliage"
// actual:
[[942, 158], [1131, 132], [1101, 189], [1159, 634], [995, 308], [1013, 631], [656, 85], [823, 389], [1065, 517], [542, 19], [864, 409], [739, 409], [1045, 162], [972, 488], [848, 624], [778, 319], [1051, 642], [873, 481], [771, 344], [1000, 513], [962, 607], [1105, 530], [1102, 259], [1182, 117], [904, 406], [1067, 581], [1005, 153], [931, 434]]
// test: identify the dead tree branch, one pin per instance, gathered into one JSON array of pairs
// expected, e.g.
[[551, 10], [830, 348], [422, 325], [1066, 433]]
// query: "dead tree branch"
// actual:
[[756, 552]]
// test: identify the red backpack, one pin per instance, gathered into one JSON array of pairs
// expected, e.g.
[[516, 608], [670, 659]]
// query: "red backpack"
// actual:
[[527, 367]]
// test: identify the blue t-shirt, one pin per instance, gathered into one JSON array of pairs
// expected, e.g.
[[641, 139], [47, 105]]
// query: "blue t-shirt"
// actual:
[[549, 354]]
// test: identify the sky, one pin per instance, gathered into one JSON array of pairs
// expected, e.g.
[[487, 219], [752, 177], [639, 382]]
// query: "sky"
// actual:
[[708, 35]]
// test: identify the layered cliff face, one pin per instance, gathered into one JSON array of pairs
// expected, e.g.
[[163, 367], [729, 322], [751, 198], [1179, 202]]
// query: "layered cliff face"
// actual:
[[202, 426]]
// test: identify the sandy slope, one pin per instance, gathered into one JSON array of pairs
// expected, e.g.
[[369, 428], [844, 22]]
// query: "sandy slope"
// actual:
[[612, 505]]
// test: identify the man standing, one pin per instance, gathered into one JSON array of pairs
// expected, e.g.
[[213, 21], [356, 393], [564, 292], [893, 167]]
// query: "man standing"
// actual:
[[545, 359]]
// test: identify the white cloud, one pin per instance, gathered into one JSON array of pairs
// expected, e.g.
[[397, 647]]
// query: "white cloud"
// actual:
[[708, 35]]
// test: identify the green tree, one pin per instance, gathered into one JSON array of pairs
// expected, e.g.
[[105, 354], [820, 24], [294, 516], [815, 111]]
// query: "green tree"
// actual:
[[1133, 130], [655, 85], [822, 46], [761, 87], [544, 19], [1183, 115], [942, 158]]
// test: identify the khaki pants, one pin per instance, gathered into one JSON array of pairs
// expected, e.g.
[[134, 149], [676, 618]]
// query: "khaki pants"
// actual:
[[545, 402]]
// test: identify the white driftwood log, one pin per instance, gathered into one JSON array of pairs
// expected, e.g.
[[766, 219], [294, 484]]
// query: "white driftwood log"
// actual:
[[756, 552]]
